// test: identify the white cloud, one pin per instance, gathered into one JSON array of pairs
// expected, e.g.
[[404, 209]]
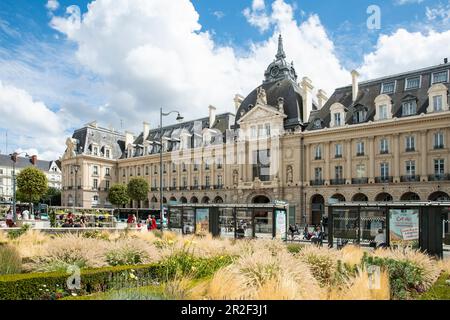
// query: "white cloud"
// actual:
[[405, 51], [52, 5], [155, 53], [257, 16], [30, 124], [219, 14], [439, 15]]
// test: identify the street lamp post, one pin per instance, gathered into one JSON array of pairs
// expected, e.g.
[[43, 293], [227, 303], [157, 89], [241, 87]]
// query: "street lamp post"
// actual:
[[75, 168], [161, 205], [14, 160]]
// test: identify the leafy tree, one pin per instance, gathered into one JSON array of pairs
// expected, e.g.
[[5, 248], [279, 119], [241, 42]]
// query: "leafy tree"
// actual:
[[138, 189], [118, 195], [32, 184], [52, 197]]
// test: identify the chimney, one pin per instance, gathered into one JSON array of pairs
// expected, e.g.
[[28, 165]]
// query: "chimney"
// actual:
[[33, 159], [145, 130], [307, 88], [445, 60], [321, 98], [237, 101], [212, 115], [128, 138], [355, 76]]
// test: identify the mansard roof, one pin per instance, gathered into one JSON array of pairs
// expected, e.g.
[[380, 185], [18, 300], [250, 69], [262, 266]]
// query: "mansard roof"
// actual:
[[369, 90]]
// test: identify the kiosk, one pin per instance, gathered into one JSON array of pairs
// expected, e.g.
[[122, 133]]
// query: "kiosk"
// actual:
[[230, 220]]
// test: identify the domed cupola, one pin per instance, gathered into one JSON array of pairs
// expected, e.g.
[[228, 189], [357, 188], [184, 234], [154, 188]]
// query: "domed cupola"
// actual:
[[279, 69]]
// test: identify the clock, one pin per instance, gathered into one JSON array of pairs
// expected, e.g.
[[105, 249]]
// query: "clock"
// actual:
[[275, 71]]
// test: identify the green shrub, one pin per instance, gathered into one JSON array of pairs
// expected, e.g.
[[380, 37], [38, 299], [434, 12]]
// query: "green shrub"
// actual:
[[440, 290], [404, 277], [14, 234], [185, 264], [10, 260], [95, 234], [126, 256], [294, 247], [45, 286], [141, 293]]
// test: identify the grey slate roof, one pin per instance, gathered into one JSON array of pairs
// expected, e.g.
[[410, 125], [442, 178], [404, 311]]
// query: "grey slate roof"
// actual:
[[88, 135], [22, 162], [369, 90]]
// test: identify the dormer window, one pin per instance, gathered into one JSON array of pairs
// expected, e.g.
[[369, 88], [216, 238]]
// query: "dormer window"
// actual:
[[382, 112], [439, 77], [337, 119], [95, 151], [437, 103], [388, 87], [359, 115], [412, 83], [409, 108], [107, 153], [383, 107]]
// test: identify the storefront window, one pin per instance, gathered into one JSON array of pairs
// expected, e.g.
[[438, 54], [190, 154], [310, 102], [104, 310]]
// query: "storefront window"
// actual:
[[244, 224], [373, 226], [263, 224], [175, 219], [404, 227], [188, 221], [345, 226], [226, 222]]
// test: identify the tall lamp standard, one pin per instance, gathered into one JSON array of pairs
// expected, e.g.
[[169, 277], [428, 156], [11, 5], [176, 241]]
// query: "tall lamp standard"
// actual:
[[14, 160], [75, 167], [179, 118]]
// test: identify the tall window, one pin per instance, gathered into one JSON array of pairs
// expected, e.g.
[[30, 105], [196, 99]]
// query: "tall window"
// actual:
[[409, 108], [360, 148], [146, 170], [360, 115], [338, 173], [318, 153], [438, 140], [107, 172], [107, 153], [410, 143], [184, 182], [253, 131], [439, 167], [384, 170], [410, 168], [439, 77], [207, 181], [384, 146], [412, 83], [95, 184], [318, 174], [437, 103], [196, 181], [174, 167], [138, 171], [174, 182], [219, 180], [361, 171], [123, 173], [95, 171], [107, 185], [154, 183], [261, 164], [337, 119], [338, 150], [95, 151], [382, 112]]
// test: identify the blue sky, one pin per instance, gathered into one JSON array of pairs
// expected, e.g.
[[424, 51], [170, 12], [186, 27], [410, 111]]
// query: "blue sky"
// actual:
[[55, 64]]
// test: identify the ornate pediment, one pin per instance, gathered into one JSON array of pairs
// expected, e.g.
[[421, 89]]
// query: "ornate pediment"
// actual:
[[260, 112]]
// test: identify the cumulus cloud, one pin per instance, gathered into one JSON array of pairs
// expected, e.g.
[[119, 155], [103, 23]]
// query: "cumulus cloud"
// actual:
[[52, 5], [439, 15], [30, 124], [404, 51], [403, 2], [257, 16], [155, 53]]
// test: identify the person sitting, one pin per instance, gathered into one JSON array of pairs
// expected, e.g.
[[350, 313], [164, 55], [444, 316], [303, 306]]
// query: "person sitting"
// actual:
[[380, 239], [316, 237]]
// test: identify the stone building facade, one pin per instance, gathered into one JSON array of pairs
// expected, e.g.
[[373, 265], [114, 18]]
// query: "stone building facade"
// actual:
[[378, 140]]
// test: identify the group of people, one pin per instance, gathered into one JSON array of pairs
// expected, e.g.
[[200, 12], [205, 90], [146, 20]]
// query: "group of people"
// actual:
[[150, 222], [21, 215], [70, 221], [315, 236]]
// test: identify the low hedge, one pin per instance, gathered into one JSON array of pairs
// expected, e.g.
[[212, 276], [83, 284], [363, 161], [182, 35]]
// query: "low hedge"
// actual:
[[53, 285]]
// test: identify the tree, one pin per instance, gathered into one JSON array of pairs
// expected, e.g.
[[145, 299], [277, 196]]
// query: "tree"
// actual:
[[118, 195], [52, 197], [138, 189], [31, 184]]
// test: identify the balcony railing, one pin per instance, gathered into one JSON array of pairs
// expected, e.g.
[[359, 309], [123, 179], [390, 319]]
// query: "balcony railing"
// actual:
[[384, 179], [438, 177], [183, 188], [69, 188], [338, 156], [317, 182], [360, 154], [196, 187], [172, 188], [438, 146], [218, 186], [360, 180], [384, 151], [410, 178], [337, 181], [317, 158], [154, 189], [411, 149]]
